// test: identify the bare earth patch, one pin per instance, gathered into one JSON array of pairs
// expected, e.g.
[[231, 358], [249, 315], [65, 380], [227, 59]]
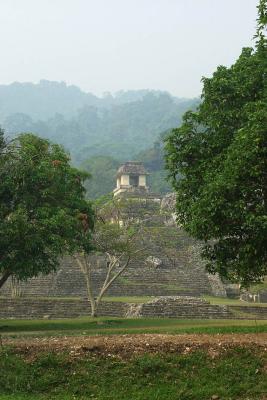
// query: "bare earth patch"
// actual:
[[126, 346]]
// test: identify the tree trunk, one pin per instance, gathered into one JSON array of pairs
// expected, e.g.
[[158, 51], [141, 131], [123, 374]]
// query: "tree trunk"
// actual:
[[90, 296], [93, 310], [85, 268], [109, 280], [4, 278]]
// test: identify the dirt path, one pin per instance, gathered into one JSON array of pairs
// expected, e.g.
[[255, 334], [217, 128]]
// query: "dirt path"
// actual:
[[128, 345]]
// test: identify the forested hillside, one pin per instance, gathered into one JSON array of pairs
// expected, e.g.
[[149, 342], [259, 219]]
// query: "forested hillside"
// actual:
[[99, 132]]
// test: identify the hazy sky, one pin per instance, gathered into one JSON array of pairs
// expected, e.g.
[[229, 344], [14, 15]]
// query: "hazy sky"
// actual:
[[108, 45]]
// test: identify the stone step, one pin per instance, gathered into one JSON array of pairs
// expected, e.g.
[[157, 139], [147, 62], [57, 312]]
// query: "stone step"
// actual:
[[137, 280]]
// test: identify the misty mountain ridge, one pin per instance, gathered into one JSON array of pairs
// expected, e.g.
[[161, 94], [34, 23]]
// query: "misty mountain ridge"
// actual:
[[119, 125], [45, 99]]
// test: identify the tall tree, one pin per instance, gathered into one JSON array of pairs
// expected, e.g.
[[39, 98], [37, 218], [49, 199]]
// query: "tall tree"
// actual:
[[43, 212], [220, 151]]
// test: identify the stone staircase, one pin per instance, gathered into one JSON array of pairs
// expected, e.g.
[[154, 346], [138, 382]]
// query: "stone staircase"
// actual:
[[183, 274], [181, 279]]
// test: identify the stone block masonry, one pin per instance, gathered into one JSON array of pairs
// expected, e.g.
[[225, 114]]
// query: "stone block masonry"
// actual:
[[29, 308], [178, 271], [184, 277], [163, 307]]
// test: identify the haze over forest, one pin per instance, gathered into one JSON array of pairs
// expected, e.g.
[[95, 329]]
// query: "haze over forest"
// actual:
[[99, 133], [104, 46]]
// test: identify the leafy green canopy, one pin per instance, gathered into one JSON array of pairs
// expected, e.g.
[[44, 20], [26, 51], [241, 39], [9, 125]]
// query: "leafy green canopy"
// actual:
[[43, 212], [221, 152]]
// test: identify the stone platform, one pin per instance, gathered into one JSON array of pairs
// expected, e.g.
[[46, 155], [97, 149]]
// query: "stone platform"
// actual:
[[162, 307], [184, 275]]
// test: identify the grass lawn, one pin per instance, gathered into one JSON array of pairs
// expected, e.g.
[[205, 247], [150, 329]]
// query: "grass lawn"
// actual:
[[235, 374], [108, 325], [232, 374]]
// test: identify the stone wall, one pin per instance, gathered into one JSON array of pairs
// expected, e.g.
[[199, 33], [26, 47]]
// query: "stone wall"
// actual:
[[263, 296], [259, 297], [171, 307], [217, 287], [30, 308], [182, 307], [248, 312]]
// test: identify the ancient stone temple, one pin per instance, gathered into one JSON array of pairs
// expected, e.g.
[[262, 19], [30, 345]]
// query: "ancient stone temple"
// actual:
[[131, 179], [172, 274]]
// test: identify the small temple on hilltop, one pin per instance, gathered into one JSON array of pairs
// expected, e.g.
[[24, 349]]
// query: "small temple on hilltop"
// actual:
[[131, 179]]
